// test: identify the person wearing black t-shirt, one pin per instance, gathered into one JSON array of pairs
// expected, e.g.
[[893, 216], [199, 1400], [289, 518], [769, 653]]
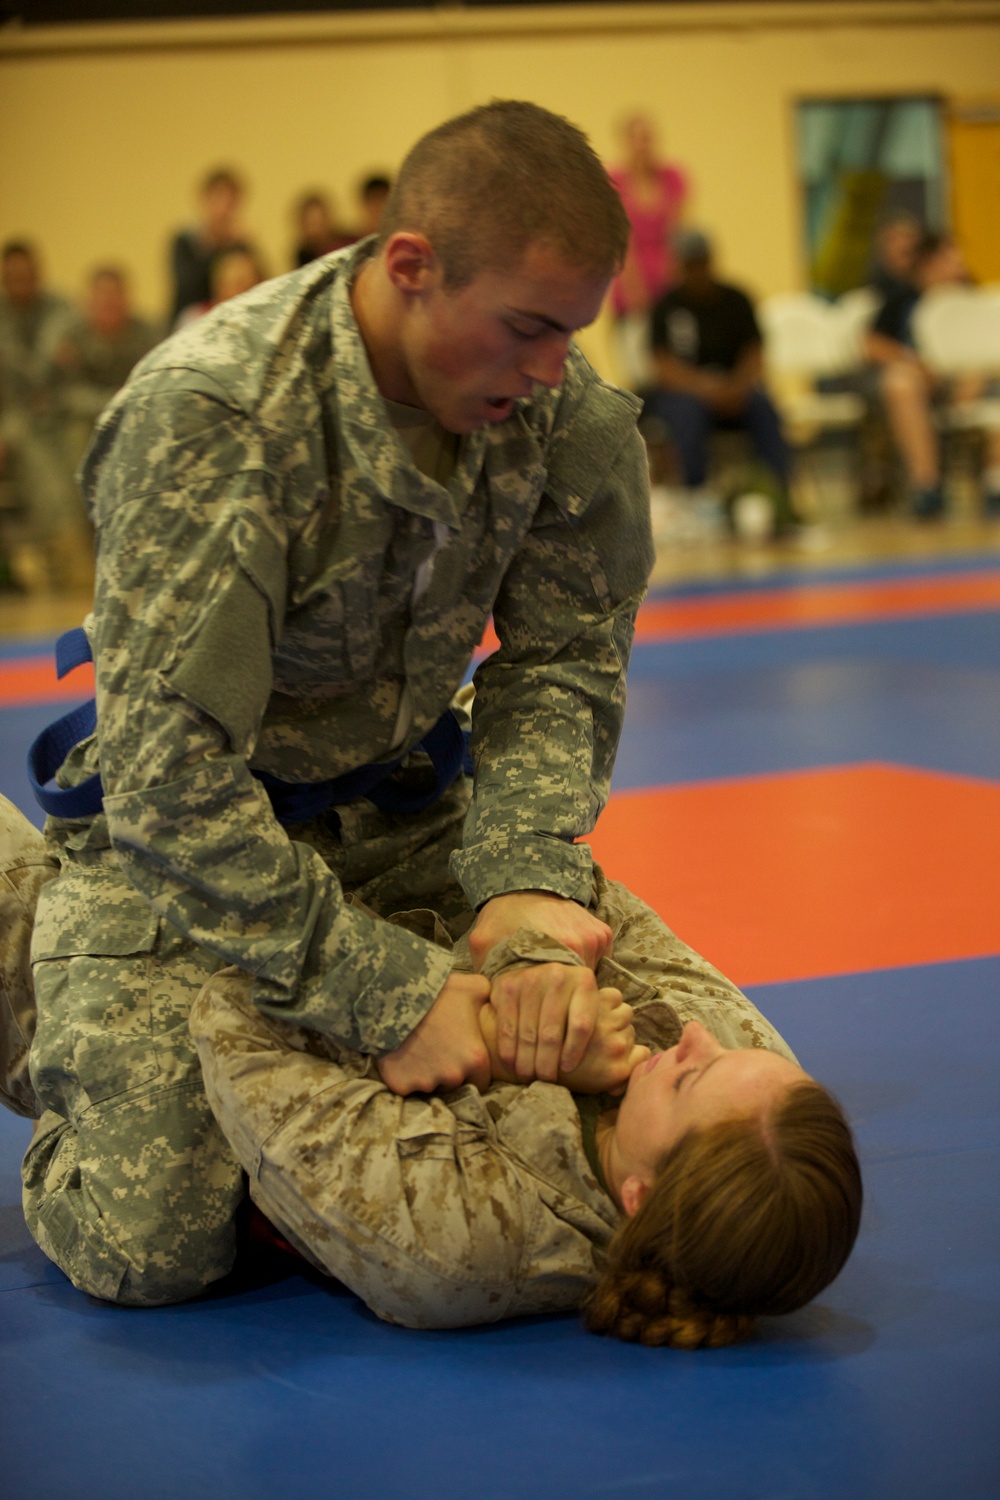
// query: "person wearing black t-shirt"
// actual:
[[194, 251], [709, 364]]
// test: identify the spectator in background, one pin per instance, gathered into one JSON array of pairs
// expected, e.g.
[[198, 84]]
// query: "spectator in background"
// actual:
[[708, 355], [894, 253], [233, 272], [910, 390], [653, 193], [54, 538], [373, 195], [98, 353], [316, 229], [194, 250]]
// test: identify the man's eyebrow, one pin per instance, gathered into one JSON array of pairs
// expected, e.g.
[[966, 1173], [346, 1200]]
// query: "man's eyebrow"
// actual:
[[534, 317]]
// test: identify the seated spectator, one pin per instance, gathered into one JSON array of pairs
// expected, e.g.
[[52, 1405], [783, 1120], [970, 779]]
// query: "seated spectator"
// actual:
[[708, 359], [894, 253], [98, 353], [373, 194], [54, 537], [910, 389], [233, 272], [194, 250], [316, 229]]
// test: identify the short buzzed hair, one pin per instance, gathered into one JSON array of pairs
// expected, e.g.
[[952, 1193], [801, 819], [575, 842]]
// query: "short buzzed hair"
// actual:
[[485, 186]]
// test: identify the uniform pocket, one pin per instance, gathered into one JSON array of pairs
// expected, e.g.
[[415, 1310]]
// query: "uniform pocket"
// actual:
[[329, 642], [612, 975], [433, 1129], [92, 957]]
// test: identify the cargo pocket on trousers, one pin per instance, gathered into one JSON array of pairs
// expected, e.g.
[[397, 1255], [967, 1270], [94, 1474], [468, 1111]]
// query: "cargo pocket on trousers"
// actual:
[[92, 957]]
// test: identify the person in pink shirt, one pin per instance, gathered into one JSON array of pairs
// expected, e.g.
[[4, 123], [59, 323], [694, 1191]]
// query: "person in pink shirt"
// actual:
[[653, 192]]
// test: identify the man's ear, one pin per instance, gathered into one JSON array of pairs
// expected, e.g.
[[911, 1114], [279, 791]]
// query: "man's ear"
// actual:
[[410, 262], [633, 1193]]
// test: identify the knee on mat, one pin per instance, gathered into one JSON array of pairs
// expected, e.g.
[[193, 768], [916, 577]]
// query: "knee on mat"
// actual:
[[147, 1262]]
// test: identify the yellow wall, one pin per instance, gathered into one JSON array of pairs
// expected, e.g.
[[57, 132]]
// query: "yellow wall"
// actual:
[[104, 130]]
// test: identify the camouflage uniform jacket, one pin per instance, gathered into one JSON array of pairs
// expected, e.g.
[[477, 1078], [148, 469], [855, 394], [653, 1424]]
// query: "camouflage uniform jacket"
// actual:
[[438, 1211], [442, 1210], [260, 526], [30, 377]]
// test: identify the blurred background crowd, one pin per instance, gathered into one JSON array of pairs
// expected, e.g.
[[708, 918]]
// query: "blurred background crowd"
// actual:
[[871, 391], [61, 360]]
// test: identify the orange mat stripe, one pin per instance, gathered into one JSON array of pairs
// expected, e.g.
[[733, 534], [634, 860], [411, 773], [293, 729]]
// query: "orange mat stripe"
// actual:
[[34, 680], [810, 605], [817, 604], [815, 873]]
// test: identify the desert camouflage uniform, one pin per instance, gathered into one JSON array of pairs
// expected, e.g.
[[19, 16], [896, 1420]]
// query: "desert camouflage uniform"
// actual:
[[460, 1208], [25, 868], [260, 529]]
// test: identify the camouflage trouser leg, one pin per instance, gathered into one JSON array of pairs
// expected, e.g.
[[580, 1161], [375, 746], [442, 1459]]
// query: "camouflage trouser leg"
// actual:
[[129, 1185], [25, 866]]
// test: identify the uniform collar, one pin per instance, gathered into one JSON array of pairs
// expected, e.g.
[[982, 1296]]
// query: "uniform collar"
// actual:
[[375, 450]]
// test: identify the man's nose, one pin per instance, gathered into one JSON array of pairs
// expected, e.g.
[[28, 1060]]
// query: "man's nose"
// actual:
[[545, 361]]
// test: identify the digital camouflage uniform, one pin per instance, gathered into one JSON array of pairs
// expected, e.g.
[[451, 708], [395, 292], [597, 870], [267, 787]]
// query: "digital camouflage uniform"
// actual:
[[260, 529], [32, 422], [99, 365], [457, 1208]]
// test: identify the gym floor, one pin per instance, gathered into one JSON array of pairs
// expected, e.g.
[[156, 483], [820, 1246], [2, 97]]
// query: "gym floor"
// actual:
[[808, 789]]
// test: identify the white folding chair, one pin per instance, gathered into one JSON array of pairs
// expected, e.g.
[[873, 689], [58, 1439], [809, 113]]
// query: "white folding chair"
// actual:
[[854, 313], [957, 331], [804, 340]]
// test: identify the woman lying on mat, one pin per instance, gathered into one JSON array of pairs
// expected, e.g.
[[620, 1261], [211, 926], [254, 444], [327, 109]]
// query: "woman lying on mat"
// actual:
[[721, 1183]]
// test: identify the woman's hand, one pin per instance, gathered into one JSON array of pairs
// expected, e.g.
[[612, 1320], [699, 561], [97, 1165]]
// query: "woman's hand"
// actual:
[[547, 1011], [613, 1051], [610, 1056]]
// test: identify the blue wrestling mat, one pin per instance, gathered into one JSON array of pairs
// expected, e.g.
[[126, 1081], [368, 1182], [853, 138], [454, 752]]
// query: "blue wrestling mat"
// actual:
[[283, 1385]]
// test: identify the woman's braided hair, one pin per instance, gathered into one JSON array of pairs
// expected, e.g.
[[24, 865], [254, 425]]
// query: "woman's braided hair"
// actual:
[[750, 1216]]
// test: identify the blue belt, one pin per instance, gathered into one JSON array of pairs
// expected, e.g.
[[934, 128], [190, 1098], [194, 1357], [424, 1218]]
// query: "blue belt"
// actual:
[[446, 745]]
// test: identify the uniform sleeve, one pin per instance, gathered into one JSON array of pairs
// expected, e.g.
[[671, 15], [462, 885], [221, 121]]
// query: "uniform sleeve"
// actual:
[[190, 601], [550, 702]]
